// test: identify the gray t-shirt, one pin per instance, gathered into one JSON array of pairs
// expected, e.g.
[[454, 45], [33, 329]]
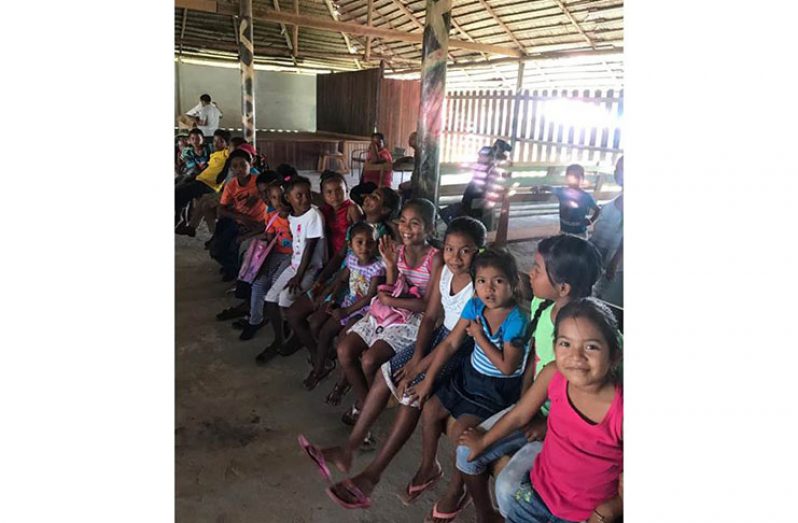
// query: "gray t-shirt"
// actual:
[[608, 232]]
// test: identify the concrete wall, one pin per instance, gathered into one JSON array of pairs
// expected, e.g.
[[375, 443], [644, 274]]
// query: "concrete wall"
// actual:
[[282, 100]]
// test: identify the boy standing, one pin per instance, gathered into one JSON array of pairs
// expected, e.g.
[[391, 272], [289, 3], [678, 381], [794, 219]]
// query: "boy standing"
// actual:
[[575, 203]]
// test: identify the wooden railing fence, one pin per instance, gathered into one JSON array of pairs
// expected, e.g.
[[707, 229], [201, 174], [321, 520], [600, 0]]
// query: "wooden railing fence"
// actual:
[[557, 126]]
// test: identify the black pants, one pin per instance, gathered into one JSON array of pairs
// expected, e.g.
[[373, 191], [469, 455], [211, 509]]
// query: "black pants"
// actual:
[[186, 192], [224, 248]]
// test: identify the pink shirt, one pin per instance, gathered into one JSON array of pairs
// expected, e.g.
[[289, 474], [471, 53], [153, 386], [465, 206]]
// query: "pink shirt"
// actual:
[[374, 176], [419, 275], [580, 464]]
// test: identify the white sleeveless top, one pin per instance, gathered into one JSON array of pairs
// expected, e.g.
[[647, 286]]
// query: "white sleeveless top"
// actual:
[[453, 305]]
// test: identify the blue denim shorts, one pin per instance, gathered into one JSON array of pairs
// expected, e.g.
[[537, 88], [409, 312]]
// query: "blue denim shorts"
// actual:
[[506, 446]]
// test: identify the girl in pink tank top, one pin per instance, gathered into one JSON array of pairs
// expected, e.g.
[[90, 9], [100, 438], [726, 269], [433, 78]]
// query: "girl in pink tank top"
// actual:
[[415, 261], [577, 475]]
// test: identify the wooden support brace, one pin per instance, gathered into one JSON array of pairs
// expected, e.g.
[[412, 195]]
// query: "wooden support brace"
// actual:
[[353, 29]]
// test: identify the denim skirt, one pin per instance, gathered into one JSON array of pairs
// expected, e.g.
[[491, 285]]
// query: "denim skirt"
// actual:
[[470, 392]]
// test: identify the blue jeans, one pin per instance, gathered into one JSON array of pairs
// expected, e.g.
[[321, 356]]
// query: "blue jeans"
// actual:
[[514, 473], [523, 457], [275, 263], [527, 507]]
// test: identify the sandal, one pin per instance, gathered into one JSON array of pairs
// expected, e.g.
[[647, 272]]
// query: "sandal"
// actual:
[[446, 516], [412, 492], [314, 379], [316, 455], [368, 444], [337, 394], [350, 416], [361, 499]]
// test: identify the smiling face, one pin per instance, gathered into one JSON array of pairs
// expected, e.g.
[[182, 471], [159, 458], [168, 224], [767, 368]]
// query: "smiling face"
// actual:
[[542, 287], [299, 199], [582, 353], [364, 246], [493, 287], [334, 193], [412, 230], [458, 252]]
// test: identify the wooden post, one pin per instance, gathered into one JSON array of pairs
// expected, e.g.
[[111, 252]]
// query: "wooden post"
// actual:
[[433, 94], [246, 56], [504, 215]]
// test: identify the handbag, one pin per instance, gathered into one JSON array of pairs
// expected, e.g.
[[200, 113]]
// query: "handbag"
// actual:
[[386, 315], [256, 255]]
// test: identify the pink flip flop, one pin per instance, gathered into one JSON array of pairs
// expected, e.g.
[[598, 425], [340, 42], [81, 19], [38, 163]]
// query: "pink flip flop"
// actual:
[[316, 455], [361, 499], [412, 492], [446, 516]]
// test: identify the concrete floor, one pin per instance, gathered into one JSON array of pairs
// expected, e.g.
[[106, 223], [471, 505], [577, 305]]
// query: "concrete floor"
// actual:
[[236, 455], [237, 459]]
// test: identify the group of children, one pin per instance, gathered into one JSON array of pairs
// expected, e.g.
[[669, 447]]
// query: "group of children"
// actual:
[[535, 398]]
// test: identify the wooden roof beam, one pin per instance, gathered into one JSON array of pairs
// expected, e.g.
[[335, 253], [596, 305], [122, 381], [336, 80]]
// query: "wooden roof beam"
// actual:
[[283, 30], [589, 40], [268, 15], [334, 16], [296, 29], [501, 24], [183, 29]]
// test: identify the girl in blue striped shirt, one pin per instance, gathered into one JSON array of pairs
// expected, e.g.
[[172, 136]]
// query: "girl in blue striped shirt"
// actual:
[[488, 381]]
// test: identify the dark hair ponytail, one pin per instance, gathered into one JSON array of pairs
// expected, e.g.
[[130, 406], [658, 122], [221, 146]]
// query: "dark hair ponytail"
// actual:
[[571, 260]]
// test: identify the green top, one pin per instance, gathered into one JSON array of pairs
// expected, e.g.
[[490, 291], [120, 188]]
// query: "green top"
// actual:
[[544, 341]]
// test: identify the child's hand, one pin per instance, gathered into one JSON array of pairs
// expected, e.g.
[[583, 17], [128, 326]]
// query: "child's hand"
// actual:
[[337, 313], [385, 298], [402, 377], [472, 438], [536, 429], [294, 284], [474, 328], [316, 294], [420, 392], [387, 251]]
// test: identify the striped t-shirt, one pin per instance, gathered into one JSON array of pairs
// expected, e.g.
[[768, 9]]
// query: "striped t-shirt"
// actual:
[[513, 329]]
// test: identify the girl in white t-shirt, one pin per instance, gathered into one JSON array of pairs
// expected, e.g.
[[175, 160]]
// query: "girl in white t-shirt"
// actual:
[[310, 252]]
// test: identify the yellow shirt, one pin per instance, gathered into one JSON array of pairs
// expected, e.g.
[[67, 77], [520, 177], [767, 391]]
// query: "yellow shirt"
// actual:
[[215, 166]]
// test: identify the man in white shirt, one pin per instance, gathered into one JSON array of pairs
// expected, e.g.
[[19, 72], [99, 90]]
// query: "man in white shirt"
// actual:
[[206, 114]]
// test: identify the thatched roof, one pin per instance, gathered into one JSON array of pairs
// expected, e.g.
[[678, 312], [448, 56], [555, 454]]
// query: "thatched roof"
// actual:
[[567, 43]]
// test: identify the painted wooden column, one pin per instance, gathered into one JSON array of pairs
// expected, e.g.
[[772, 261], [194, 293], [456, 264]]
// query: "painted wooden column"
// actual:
[[504, 214], [246, 57], [433, 95]]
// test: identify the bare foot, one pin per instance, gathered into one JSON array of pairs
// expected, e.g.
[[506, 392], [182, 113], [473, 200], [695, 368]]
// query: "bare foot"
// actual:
[[339, 457], [365, 484]]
